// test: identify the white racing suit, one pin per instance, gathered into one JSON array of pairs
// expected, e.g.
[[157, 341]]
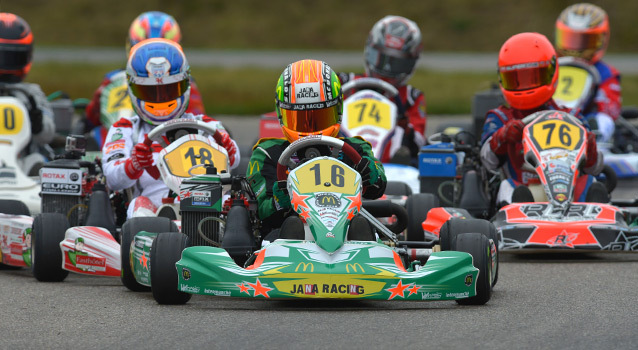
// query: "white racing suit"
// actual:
[[119, 142]]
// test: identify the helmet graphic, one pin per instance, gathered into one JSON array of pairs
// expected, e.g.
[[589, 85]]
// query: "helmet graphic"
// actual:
[[308, 100], [582, 30], [527, 70], [153, 24], [392, 50], [158, 80], [16, 48]]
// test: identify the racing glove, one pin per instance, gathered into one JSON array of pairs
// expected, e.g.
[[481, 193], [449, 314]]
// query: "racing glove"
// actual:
[[594, 163], [35, 114], [280, 195], [141, 158], [510, 133], [371, 179], [230, 147]]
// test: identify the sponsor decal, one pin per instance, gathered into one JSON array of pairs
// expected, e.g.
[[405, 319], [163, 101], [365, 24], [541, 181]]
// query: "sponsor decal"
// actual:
[[117, 135], [560, 188], [307, 92], [457, 295], [432, 161], [330, 235], [575, 212], [356, 268], [564, 239], [469, 279], [115, 156], [117, 145], [74, 177], [305, 266], [561, 197], [201, 198], [188, 289], [48, 187], [327, 200], [431, 295], [186, 274], [219, 293], [327, 289]]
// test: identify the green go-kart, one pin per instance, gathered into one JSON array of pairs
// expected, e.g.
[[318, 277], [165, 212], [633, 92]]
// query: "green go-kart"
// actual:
[[326, 194]]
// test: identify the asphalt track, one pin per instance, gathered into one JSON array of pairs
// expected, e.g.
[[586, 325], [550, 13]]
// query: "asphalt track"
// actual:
[[573, 301]]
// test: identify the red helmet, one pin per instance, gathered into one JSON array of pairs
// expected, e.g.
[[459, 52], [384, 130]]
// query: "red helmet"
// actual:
[[528, 70], [582, 30], [153, 24], [16, 47]]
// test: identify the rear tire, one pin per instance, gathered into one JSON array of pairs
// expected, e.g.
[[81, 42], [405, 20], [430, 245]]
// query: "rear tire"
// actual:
[[397, 188], [166, 251], [13, 207], [46, 256], [129, 230], [418, 205], [477, 245]]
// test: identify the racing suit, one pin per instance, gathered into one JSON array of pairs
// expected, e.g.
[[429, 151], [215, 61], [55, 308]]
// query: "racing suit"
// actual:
[[412, 117], [607, 102], [509, 156], [110, 102], [122, 137], [262, 175], [41, 115]]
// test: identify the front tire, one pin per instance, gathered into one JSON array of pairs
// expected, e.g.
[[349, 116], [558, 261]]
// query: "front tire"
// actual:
[[46, 256], [418, 205], [166, 251], [477, 245], [129, 230]]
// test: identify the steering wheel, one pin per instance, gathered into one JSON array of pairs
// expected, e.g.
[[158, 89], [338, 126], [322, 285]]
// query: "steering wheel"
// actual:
[[285, 160], [181, 126], [370, 83]]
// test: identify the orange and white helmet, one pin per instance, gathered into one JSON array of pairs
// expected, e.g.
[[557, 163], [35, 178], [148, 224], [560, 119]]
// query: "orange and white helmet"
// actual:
[[582, 30], [309, 100], [528, 70]]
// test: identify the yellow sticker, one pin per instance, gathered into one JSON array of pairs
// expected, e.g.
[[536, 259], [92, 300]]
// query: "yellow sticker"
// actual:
[[118, 99], [557, 134], [11, 119], [572, 82], [367, 111], [192, 153], [326, 175], [325, 286]]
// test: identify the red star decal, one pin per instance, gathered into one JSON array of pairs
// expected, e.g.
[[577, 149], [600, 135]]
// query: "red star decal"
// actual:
[[298, 201], [355, 202], [413, 290], [243, 288], [350, 214], [399, 290], [144, 260], [259, 289], [305, 214]]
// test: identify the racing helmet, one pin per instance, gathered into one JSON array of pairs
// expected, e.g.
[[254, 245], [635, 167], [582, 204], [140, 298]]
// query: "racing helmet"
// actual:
[[309, 100], [392, 49], [158, 80], [582, 30], [153, 24], [528, 70], [16, 48]]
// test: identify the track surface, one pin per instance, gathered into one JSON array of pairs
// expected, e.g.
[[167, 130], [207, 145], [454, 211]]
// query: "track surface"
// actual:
[[572, 301]]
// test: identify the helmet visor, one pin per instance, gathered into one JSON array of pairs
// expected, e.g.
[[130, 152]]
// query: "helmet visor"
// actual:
[[391, 66], [309, 120], [575, 41], [160, 93], [527, 75], [14, 57]]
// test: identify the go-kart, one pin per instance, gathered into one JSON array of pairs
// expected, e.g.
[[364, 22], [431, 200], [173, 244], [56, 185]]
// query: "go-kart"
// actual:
[[328, 263], [554, 149]]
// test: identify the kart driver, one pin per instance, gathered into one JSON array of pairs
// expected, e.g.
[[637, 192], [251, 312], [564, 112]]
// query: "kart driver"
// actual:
[[391, 52], [272, 196], [159, 88], [16, 48], [110, 101], [582, 30], [528, 72]]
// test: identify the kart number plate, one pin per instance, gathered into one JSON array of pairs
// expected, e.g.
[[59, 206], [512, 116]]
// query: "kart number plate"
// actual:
[[326, 175], [560, 134], [192, 153], [572, 83], [369, 112], [11, 119], [118, 99]]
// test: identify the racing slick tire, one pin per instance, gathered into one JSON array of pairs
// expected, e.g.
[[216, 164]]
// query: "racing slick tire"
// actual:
[[452, 228], [608, 177], [397, 188], [418, 205], [46, 256], [130, 228], [165, 252], [477, 245], [13, 207]]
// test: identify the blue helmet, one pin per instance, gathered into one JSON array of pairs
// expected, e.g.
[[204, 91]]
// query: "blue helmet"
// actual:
[[158, 80], [153, 24]]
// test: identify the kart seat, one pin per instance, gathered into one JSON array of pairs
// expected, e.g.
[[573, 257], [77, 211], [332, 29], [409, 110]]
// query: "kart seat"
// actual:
[[100, 213]]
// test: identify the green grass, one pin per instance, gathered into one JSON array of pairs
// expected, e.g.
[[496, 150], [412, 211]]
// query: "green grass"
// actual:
[[252, 91]]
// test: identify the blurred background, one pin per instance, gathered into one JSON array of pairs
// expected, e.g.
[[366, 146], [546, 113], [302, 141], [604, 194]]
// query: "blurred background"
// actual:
[[238, 48]]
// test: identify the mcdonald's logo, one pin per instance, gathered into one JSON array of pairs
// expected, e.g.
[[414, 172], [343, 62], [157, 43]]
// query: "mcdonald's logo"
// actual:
[[305, 266], [253, 165], [355, 267], [327, 200]]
